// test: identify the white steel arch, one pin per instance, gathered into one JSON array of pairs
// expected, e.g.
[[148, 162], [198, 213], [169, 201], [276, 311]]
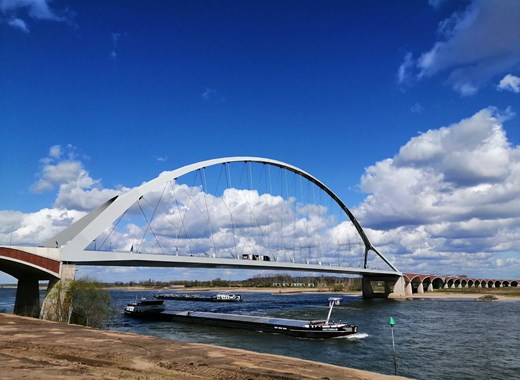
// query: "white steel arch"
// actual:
[[79, 235]]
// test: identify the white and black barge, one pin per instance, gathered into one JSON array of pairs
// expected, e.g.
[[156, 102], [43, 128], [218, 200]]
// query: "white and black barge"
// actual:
[[299, 328]]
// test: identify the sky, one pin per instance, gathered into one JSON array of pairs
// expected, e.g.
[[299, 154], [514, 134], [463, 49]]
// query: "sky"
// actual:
[[407, 110]]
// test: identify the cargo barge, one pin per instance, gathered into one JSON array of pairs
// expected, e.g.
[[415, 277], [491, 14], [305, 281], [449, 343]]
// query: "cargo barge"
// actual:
[[220, 297], [318, 329]]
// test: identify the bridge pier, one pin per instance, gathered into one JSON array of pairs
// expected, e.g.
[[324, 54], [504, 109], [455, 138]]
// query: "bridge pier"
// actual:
[[52, 308], [383, 287], [27, 302]]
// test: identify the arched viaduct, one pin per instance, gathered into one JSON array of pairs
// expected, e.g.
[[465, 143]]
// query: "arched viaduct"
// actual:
[[420, 283]]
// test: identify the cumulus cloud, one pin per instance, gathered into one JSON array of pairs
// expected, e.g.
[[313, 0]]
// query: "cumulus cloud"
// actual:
[[14, 12], [449, 195], [509, 83], [77, 190], [36, 227], [474, 46]]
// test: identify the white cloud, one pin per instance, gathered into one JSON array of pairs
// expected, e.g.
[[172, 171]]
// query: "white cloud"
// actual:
[[34, 228], [59, 173], [55, 151], [474, 46], [116, 39], [436, 3], [38, 9], [509, 83], [75, 197], [209, 93], [34, 9], [474, 150], [403, 73], [161, 158], [212, 94], [76, 189], [417, 108], [59, 167], [18, 24], [448, 195]]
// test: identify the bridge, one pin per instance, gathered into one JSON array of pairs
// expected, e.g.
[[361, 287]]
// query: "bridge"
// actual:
[[421, 283], [236, 212]]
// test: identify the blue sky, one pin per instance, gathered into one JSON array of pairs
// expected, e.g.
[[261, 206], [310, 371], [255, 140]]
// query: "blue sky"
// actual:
[[405, 109]]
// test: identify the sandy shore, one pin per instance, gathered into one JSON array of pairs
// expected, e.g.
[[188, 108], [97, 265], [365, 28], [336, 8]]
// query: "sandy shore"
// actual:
[[36, 349]]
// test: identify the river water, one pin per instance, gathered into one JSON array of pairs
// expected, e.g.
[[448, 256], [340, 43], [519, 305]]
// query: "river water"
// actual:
[[434, 338]]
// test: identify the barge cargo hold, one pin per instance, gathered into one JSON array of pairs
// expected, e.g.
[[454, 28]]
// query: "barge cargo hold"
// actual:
[[306, 329], [220, 297]]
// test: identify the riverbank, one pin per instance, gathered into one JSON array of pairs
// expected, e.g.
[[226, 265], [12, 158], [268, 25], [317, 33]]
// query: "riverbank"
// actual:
[[237, 289], [468, 295], [512, 294], [32, 348]]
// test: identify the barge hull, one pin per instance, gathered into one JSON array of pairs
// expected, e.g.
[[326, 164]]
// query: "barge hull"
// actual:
[[290, 327]]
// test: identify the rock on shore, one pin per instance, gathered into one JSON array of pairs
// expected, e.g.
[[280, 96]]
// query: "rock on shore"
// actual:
[[32, 348]]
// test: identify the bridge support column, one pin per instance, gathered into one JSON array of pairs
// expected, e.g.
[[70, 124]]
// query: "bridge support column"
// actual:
[[408, 291], [420, 288], [53, 304], [383, 287], [27, 301]]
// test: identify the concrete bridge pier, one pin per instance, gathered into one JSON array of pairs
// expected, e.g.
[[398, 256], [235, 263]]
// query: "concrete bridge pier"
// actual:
[[53, 304], [27, 302], [408, 290], [383, 287]]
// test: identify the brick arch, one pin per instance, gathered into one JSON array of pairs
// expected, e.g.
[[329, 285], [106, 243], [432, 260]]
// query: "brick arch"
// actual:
[[19, 263]]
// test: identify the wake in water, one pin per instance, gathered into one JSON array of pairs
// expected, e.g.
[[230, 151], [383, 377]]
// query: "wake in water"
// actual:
[[356, 336]]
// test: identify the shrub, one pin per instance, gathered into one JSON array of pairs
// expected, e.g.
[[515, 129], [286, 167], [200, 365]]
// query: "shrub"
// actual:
[[90, 305]]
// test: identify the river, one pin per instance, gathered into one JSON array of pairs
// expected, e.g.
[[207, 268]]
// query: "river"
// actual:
[[434, 338]]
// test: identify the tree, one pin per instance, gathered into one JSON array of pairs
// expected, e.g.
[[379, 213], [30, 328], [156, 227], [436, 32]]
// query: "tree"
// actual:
[[90, 305], [82, 302]]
